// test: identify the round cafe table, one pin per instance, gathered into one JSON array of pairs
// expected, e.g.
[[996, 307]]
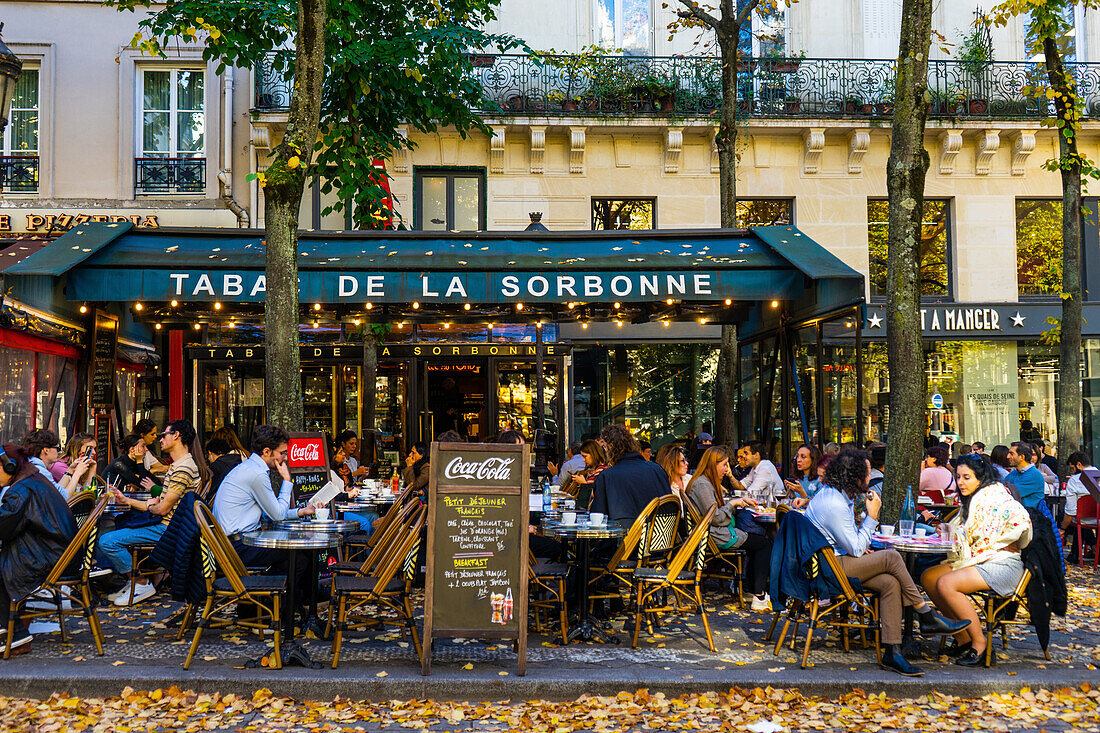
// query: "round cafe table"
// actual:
[[583, 533], [295, 541], [910, 548], [318, 525]]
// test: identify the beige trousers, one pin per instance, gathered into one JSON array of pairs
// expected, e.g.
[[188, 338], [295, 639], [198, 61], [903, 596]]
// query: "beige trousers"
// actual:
[[884, 572]]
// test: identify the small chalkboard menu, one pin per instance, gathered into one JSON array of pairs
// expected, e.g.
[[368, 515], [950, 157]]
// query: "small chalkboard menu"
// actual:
[[103, 440], [476, 584], [307, 458], [102, 364]]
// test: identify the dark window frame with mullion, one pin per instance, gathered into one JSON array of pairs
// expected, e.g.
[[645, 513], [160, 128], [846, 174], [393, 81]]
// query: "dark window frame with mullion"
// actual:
[[948, 255], [623, 199], [451, 173]]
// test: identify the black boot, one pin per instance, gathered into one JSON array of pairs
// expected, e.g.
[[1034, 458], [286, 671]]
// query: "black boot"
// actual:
[[971, 658], [957, 650], [892, 660], [933, 624]]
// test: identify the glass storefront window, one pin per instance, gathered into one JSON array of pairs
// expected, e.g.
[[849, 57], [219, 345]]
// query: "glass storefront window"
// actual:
[[838, 371], [935, 271], [803, 398], [624, 214], [1039, 246], [452, 332], [764, 212], [750, 389], [516, 395], [524, 333], [56, 392], [233, 396], [876, 392]]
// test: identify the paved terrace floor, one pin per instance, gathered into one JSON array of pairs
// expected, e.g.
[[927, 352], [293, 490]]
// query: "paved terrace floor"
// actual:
[[141, 652]]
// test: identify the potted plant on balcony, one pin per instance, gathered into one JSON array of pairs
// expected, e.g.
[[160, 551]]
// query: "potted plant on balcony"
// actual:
[[792, 105], [852, 104], [578, 70], [976, 56]]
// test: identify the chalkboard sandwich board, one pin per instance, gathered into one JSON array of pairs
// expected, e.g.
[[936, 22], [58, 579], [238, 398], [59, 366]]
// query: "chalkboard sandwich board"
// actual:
[[307, 459], [102, 363], [476, 585]]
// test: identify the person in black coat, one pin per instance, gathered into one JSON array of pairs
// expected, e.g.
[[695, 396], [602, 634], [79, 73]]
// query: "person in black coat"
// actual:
[[36, 525], [222, 459], [129, 468], [623, 491]]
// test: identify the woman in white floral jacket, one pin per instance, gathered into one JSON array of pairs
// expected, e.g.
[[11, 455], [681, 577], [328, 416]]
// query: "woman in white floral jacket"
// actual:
[[990, 530]]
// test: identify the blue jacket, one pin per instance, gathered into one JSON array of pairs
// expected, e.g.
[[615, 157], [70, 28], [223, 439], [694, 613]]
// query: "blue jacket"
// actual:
[[178, 550], [795, 544], [624, 490]]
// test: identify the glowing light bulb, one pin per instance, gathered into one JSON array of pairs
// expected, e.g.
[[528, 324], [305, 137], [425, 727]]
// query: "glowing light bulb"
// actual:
[[158, 326], [175, 303], [138, 306], [217, 306], [316, 306], [83, 309], [416, 305]]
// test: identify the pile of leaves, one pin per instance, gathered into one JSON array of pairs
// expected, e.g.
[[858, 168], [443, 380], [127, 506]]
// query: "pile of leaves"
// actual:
[[759, 709]]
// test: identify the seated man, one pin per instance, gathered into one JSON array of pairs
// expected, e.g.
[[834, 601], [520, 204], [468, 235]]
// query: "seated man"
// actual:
[[1025, 478], [182, 476], [762, 481], [1079, 463], [245, 496], [128, 472], [832, 511], [622, 491]]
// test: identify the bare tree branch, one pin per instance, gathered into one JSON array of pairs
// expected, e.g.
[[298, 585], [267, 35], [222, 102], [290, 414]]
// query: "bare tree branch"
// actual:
[[745, 12], [694, 11]]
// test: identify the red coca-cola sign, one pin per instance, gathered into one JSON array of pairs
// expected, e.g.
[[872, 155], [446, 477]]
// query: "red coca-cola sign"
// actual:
[[305, 451]]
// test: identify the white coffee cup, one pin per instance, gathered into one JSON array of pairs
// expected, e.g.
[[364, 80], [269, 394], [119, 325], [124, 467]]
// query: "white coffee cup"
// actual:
[[569, 518], [321, 514], [919, 532], [596, 518], [886, 530]]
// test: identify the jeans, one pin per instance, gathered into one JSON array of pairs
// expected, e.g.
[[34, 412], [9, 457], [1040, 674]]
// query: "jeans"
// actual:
[[366, 521], [115, 546]]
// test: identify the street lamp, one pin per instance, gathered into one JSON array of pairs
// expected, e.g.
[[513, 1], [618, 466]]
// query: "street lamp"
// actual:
[[10, 68]]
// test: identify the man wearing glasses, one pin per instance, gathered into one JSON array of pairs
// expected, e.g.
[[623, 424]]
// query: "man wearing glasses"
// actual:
[[44, 449]]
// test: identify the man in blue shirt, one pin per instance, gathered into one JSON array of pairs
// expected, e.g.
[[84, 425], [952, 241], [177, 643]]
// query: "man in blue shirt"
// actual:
[[1026, 479], [245, 496]]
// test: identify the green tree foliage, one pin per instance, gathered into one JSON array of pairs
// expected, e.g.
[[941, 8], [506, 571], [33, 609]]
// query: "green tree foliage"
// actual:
[[388, 63], [931, 252], [1039, 246]]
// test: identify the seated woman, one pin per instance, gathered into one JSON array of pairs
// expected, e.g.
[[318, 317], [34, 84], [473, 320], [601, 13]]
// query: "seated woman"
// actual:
[[672, 458], [936, 479], [366, 520], [36, 526], [580, 483], [832, 510], [704, 491], [805, 481], [990, 530], [416, 473]]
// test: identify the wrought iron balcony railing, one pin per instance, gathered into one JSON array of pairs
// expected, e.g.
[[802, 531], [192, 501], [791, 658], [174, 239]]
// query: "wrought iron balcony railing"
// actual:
[[770, 87], [18, 173], [169, 175]]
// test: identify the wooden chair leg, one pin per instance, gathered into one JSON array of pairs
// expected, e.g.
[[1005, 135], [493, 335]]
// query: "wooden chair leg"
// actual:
[[93, 618], [810, 625], [771, 629], [411, 621], [198, 631], [638, 611], [563, 612], [703, 613], [338, 635], [13, 609], [277, 622], [185, 622]]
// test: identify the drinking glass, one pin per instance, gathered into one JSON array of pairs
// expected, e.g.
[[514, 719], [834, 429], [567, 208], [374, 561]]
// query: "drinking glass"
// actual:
[[905, 527]]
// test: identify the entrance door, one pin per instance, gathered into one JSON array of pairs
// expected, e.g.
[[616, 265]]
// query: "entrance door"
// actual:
[[455, 398], [516, 384]]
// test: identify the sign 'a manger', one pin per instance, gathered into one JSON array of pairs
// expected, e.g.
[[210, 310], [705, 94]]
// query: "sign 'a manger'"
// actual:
[[476, 584]]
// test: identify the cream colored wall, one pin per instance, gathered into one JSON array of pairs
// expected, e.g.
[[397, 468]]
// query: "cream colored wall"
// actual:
[[87, 100], [830, 204]]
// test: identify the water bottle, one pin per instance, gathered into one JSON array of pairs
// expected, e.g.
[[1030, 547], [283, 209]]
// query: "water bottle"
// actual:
[[908, 517], [547, 496]]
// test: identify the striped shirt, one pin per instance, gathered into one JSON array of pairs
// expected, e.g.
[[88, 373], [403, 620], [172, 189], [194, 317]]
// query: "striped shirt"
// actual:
[[182, 476]]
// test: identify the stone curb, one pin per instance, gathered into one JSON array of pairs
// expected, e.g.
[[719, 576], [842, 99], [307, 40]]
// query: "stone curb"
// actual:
[[40, 680]]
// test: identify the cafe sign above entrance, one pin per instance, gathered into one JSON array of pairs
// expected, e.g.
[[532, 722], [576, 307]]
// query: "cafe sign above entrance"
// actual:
[[945, 321]]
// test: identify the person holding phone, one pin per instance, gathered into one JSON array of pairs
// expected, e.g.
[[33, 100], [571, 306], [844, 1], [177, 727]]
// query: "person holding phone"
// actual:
[[43, 448], [832, 511], [805, 482]]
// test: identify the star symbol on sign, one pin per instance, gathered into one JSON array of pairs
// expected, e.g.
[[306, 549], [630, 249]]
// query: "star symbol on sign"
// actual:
[[1018, 320], [874, 321]]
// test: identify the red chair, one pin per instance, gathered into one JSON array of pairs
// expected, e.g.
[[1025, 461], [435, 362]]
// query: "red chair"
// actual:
[[1086, 518]]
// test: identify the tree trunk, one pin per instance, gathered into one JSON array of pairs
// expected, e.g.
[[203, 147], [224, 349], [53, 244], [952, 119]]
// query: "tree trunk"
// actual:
[[285, 181], [905, 173], [725, 391], [1068, 395], [369, 441]]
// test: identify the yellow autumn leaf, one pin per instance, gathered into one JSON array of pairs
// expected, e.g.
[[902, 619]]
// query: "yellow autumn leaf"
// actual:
[[468, 665], [293, 162]]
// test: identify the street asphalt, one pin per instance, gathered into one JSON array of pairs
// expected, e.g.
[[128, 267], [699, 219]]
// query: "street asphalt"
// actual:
[[141, 652]]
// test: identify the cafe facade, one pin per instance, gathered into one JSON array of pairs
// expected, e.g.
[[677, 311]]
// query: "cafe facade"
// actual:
[[478, 332]]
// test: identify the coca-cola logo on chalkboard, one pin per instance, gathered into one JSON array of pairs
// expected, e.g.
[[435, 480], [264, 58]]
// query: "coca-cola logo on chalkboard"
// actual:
[[491, 469], [305, 452]]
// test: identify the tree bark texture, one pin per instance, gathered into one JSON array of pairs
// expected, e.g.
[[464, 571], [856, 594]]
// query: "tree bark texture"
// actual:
[[1067, 401], [285, 181], [905, 174], [725, 391]]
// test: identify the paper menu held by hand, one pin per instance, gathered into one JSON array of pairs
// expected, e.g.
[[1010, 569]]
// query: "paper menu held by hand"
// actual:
[[325, 494]]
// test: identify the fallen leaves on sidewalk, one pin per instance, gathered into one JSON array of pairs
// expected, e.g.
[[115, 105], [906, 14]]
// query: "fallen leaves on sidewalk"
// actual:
[[173, 709]]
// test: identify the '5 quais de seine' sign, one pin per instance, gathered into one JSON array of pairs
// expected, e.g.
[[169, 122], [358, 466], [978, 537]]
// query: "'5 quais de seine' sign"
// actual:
[[476, 583]]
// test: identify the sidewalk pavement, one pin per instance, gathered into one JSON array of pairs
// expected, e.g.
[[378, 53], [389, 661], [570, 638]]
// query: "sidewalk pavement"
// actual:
[[141, 652]]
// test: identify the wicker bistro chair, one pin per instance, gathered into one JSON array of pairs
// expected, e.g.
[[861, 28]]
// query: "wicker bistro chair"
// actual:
[[390, 589], [1000, 612], [358, 543], [235, 586], [382, 542], [81, 504], [546, 592], [835, 612], [617, 573], [723, 565], [684, 577], [659, 535], [63, 583]]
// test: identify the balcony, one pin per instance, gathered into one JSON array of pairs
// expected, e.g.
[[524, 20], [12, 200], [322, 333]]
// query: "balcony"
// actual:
[[169, 175], [770, 87], [18, 173]]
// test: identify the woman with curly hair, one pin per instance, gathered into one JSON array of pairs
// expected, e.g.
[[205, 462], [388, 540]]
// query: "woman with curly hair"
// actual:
[[832, 510]]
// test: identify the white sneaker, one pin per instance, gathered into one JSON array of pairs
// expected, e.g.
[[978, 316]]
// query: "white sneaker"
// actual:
[[762, 605], [123, 592], [17, 642], [141, 592]]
